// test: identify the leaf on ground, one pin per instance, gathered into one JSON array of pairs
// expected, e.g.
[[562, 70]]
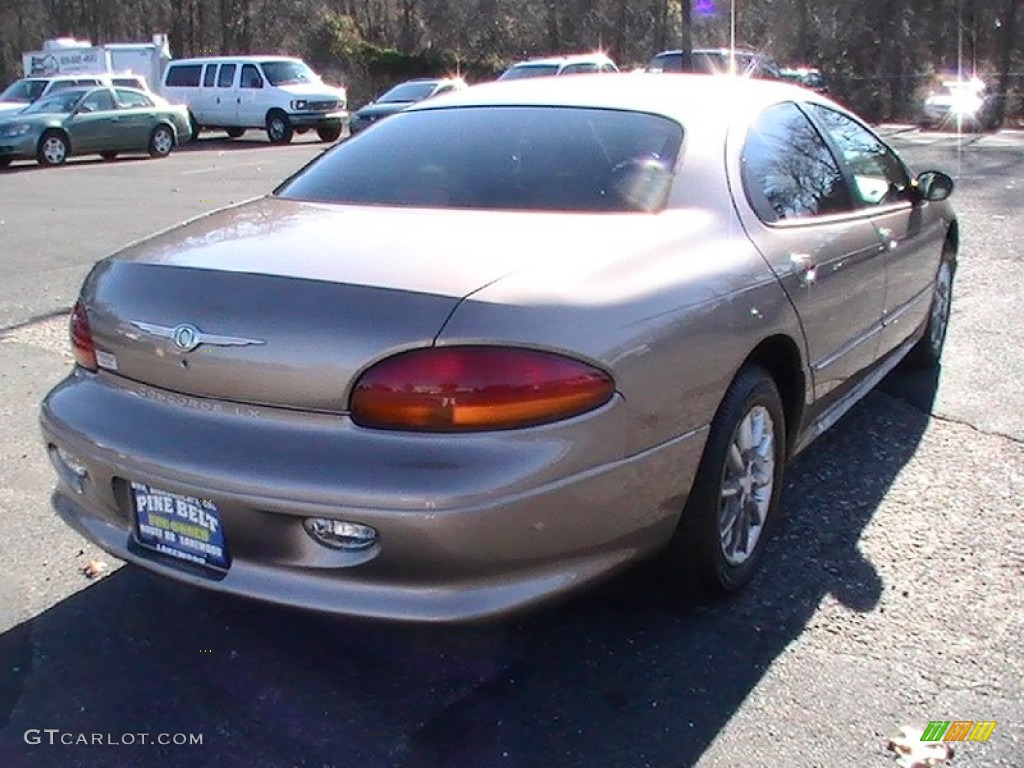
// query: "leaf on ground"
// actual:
[[911, 752], [94, 569]]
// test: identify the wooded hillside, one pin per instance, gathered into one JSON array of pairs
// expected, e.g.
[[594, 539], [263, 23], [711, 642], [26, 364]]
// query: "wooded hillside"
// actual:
[[878, 54]]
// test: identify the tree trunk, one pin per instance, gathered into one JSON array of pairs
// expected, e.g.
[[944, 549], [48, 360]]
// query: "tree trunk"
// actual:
[[686, 39], [1006, 47]]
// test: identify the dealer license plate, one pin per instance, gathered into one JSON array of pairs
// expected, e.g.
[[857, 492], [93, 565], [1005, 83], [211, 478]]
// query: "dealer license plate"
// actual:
[[184, 527]]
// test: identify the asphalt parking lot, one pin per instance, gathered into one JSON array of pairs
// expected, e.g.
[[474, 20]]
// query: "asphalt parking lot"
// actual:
[[891, 596]]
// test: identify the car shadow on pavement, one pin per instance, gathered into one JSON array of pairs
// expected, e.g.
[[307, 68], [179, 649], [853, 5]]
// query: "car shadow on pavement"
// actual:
[[611, 678], [218, 142], [22, 166]]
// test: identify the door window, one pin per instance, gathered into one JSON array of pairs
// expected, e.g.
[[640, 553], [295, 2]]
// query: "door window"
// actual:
[[97, 101], [788, 170], [209, 75], [226, 76], [879, 177], [251, 77]]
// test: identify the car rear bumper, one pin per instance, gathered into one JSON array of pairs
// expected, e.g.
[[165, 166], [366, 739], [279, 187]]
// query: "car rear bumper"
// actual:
[[468, 526]]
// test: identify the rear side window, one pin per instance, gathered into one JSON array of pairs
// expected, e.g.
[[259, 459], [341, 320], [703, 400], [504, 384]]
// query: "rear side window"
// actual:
[[226, 76], [183, 75], [512, 158], [131, 99], [878, 175], [579, 69], [788, 170]]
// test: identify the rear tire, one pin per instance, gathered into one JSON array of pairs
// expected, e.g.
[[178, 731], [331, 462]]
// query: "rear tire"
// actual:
[[4, 162], [927, 353], [234, 133], [161, 141], [329, 134], [53, 149], [279, 127], [733, 505], [195, 127]]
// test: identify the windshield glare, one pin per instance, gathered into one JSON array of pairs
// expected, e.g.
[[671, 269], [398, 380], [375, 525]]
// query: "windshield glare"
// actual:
[[531, 70], [288, 73], [407, 92], [60, 103], [501, 158], [23, 91]]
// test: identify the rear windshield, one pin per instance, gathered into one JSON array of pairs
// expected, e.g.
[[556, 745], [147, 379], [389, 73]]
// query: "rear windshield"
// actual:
[[702, 62], [407, 92], [530, 70], [511, 158]]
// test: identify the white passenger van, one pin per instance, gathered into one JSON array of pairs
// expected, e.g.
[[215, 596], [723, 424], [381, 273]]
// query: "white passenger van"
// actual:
[[277, 93]]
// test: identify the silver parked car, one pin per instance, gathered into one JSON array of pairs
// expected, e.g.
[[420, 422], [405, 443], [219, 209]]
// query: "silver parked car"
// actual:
[[439, 380]]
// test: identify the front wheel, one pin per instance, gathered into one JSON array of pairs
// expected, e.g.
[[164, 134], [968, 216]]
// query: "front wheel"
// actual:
[[329, 133], [279, 128], [161, 141], [733, 504], [53, 149], [927, 353]]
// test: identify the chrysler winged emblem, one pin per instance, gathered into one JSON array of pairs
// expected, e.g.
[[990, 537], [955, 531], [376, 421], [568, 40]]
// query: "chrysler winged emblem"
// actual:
[[187, 337]]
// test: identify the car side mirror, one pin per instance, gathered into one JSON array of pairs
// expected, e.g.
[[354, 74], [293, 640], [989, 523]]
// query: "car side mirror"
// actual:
[[934, 185]]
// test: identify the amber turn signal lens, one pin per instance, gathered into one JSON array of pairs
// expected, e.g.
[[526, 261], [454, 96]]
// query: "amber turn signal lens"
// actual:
[[452, 389], [81, 338]]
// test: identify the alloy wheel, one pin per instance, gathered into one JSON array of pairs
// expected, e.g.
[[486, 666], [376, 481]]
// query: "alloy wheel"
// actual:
[[747, 482]]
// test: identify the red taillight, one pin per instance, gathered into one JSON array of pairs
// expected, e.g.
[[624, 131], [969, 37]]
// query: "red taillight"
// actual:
[[81, 338], [450, 389]]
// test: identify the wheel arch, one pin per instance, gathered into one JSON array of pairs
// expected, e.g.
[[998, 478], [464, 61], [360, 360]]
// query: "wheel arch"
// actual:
[[780, 356], [62, 132], [169, 126], [953, 238]]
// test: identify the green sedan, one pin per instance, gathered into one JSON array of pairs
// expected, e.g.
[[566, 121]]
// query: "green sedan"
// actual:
[[87, 121]]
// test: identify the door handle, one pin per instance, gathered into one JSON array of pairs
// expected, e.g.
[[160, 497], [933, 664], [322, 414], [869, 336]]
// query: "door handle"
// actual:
[[804, 266]]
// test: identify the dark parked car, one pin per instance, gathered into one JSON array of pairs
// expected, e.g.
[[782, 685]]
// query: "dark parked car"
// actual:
[[576, 64], [716, 61], [89, 121], [401, 97], [808, 77], [500, 346]]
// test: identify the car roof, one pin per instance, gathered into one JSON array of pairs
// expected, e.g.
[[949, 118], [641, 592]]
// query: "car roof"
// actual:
[[715, 51], [431, 80], [562, 60], [58, 78], [686, 98], [254, 58]]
